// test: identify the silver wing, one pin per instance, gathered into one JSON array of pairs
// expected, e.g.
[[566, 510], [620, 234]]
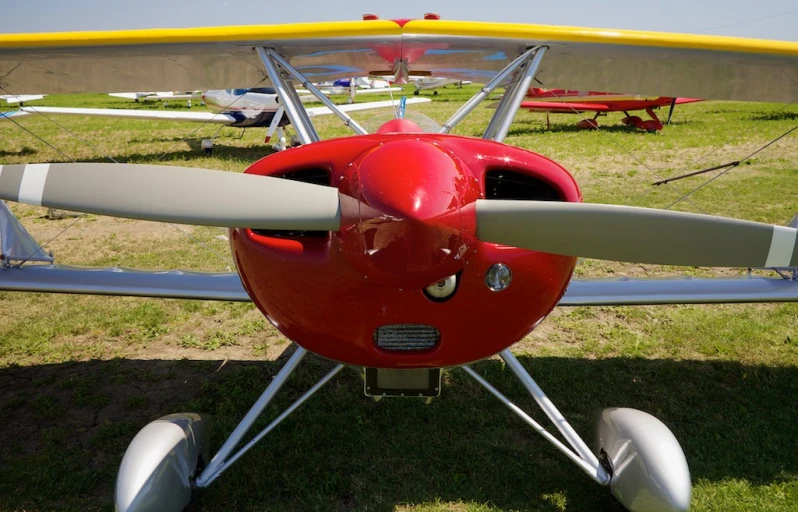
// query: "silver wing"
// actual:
[[18, 246]]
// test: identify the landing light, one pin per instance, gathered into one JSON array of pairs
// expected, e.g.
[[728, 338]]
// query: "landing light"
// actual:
[[498, 277], [442, 289]]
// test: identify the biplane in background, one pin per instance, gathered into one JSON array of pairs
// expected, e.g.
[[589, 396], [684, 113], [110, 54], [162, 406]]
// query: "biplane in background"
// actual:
[[562, 101], [238, 108], [357, 85], [401, 253]]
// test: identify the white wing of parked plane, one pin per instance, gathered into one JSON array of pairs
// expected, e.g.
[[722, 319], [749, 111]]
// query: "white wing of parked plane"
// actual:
[[14, 99], [345, 90], [200, 117], [158, 115], [156, 96], [354, 107]]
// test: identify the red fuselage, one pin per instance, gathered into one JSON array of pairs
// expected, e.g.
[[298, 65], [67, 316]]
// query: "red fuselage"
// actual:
[[408, 221]]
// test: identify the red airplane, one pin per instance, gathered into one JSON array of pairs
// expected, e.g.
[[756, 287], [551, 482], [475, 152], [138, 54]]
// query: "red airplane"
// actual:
[[397, 253], [562, 101]]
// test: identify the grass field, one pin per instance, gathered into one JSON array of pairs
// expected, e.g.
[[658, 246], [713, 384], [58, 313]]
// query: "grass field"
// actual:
[[80, 375]]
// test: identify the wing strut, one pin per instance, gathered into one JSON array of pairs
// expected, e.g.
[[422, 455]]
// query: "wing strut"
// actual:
[[483, 93], [16, 244], [500, 123], [289, 98], [348, 121]]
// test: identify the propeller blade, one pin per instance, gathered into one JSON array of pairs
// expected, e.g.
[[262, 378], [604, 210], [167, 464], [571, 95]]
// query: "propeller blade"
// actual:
[[174, 194], [670, 112], [641, 235]]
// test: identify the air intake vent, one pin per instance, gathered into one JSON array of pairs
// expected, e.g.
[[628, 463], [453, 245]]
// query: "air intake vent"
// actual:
[[406, 337], [314, 176], [504, 184]]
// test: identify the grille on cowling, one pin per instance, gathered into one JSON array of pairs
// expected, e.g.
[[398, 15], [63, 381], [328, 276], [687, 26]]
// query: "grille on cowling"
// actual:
[[406, 337]]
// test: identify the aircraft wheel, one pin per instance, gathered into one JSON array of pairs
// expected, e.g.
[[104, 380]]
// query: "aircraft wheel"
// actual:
[[416, 92], [434, 93], [649, 470], [632, 121], [652, 126], [159, 464]]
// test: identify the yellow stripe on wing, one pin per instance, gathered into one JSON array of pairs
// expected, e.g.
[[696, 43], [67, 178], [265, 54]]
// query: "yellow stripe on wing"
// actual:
[[307, 31], [567, 34]]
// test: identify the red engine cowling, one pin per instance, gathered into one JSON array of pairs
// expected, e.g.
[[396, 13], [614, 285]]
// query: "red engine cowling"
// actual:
[[408, 221]]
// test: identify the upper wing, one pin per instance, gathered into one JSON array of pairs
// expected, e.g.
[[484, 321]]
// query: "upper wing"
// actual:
[[674, 65], [196, 117]]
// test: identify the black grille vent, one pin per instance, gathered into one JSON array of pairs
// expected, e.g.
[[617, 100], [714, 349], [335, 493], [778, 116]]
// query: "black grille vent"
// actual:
[[406, 337], [504, 184], [314, 176]]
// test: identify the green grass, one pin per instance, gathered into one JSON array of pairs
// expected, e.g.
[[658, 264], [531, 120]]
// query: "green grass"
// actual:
[[80, 375]]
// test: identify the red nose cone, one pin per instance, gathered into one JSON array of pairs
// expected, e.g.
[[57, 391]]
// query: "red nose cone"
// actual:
[[411, 228]]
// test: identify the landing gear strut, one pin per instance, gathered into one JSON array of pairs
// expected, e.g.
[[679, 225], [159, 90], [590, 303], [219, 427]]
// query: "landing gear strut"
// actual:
[[634, 454], [164, 462]]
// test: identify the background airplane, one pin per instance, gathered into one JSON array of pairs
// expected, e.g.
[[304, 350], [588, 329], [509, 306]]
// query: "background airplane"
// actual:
[[562, 101], [361, 85], [239, 108], [423, 83]]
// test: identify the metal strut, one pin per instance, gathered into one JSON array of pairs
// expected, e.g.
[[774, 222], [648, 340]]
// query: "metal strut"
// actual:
[[582, 457], [483, 93], [225, 457], [16, 244], [503, 117], [290, 100], [348, 121]]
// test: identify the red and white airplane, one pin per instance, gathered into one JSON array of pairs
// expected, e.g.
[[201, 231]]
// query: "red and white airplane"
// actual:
[[562, 101], [239, 108], [401, 253]]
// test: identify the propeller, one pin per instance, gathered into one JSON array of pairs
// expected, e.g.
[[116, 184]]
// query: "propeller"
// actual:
[[216, 198], [641, 235], [174, 194], [670, 112]]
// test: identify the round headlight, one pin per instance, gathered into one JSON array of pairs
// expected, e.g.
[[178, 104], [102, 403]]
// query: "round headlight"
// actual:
[[498, 277], [442, 289]]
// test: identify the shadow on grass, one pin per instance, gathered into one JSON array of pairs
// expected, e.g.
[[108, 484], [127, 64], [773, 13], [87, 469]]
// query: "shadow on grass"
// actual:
[[534, 128], [779, 115], [220, 152], [65, 427], [25, 151]]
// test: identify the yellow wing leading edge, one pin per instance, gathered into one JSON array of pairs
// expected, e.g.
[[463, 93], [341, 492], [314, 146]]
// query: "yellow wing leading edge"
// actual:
[[644, 63]]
